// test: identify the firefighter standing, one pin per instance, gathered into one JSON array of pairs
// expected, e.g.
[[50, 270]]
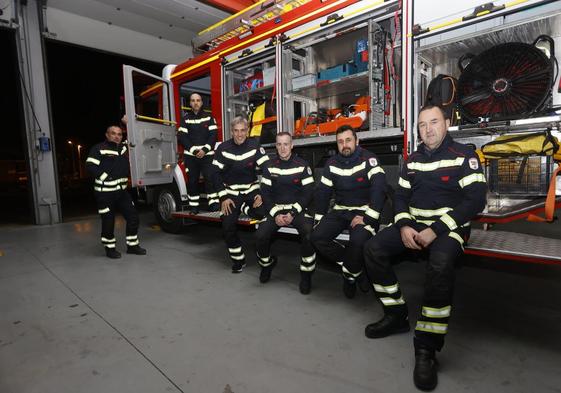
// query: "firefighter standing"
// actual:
[[197, 134], [441, 188], [237, 161], [108, 162], [359, 184], [287, 188]]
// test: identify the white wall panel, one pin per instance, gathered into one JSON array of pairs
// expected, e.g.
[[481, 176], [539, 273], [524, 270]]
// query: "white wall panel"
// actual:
[[76, 29]]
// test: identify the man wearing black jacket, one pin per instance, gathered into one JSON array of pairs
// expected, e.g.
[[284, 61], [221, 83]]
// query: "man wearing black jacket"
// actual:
[[441, 188], [287, 188], [108, 162], [235, 179], [197, 134], [359, 184]]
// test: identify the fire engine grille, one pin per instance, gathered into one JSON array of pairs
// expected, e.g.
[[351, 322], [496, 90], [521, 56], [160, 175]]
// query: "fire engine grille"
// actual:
[[521, 176]]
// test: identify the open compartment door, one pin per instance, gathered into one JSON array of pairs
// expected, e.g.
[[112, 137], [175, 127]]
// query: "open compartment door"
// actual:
[[151, 127]]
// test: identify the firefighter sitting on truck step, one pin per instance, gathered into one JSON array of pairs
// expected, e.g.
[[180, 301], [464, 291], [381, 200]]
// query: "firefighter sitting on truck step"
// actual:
[[197, 134], [287, 187], [237, 161], [441, 188], [108, 162], [359, 184]]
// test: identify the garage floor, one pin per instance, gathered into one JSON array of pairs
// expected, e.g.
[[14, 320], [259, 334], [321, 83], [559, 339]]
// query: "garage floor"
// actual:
[[177, 320]]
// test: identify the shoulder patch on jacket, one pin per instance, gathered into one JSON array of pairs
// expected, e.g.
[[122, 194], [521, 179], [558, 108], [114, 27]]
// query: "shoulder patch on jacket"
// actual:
[[473, 163], [372, 161]]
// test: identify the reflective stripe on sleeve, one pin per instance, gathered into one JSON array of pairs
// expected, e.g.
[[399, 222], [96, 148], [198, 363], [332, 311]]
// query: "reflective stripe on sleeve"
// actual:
[[307, 181], [103, 211], [93, 160], [326, 181], [473, 178], [402, 216], [218, 164], [404, 183], [449, 221], [266, 181], [375, 171], [262, 160]]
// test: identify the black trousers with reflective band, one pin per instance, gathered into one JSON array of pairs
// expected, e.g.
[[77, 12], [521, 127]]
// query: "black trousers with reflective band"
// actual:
[[108, 203], [441, 257], [349, 256], [268, 228], [194, 167], [229, 223]]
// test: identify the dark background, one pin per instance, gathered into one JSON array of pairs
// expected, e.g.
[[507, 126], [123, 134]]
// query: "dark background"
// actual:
[[86, 96]]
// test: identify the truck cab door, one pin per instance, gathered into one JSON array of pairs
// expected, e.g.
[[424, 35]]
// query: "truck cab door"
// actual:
[[151, 127]]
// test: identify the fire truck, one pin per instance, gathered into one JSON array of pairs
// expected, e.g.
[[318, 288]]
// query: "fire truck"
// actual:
[[311, 66]]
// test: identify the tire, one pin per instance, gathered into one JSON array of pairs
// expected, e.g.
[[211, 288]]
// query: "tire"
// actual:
[[167, 201]]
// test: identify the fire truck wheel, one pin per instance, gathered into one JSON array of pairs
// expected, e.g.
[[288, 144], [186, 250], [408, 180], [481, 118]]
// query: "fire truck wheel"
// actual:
[[166, 202]]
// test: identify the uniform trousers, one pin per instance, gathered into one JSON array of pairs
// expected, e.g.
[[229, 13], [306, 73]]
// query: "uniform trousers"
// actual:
[[108, 203], [243, 203], [195, 166], [441, 256], [268, 228], [349, 257]]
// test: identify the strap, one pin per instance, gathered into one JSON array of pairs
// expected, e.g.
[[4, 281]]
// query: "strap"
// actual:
[[549, 200]]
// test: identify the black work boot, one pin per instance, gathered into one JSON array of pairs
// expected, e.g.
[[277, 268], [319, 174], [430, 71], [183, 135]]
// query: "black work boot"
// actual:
[[425, 375], [349, 288], [112, 253], [265, 275], [305, 282], [237, 266], [390, 324], [137, 250]]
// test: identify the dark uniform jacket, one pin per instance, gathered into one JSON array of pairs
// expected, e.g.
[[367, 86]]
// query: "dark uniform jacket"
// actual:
[[198, 132], [443, 189], [287, 185], [237, 167], [359, 183], [108, 162]]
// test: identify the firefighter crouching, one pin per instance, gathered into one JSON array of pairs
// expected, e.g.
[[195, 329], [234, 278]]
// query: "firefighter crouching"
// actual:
[[237, 161], [441, 188], [359, 184], [108, 162], [197, 134], [287, 188]]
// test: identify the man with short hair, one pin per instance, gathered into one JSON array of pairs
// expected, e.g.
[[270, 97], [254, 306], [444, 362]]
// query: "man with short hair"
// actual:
[[441, 188], [108, 162], [197, 134], [237, 161], [287, 187], [359, 184]]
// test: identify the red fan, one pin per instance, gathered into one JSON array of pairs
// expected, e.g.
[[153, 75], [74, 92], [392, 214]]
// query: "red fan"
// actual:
[[508, 81]]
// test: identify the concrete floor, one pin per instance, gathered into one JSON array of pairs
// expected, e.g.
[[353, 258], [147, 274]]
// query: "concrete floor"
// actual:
[[177, 320]]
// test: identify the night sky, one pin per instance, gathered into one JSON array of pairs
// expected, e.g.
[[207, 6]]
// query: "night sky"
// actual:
[[86, 89]]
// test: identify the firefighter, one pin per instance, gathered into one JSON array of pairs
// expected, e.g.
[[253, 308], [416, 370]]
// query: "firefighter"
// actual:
[[108, 162], [237, 161], [287, 188], [359, 184], [197, 134], [441, 188]]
